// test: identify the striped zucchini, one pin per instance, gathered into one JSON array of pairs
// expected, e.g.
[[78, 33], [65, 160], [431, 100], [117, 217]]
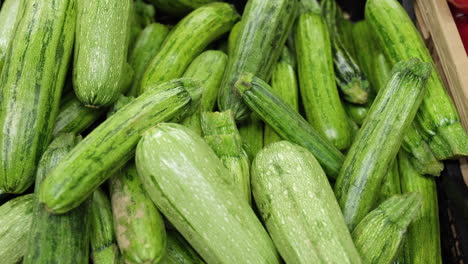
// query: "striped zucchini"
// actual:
[[194, 192], [378, 141], [251, 131], [179, 251], [31, 84], [190, 37], [112, 143], [16, 217], [319, 93], [141, 17], [390, 183], [74, 117], [57, 238], [138, 224], [8, 15], [379, 235], [310, 6], [221, 134], [103, 242], [299, 208], [179, 7], [146, 46], [287, 122], [119, 104], [437, 117], [102, 39], [422, 244], [262, 33]]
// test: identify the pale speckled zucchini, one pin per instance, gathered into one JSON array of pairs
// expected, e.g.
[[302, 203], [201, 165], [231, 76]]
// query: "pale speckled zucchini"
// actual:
[[31, 84], [179, 251], [112, 144], [8, 15], [192, 188], [101, 46], [179, 7], [139, 226], [299, 208], [190, 36]]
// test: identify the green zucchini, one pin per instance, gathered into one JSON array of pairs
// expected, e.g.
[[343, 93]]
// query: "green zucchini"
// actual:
[[193, 190], [142, 16], [349, 77], [101, 46], [284, 85], [189, 38], [74, 117], [391, 183], [57, 238], [221, 134], [378, 141], [179, 251], [112, 144], [379, 235], [233, 36], [138, 224], [103, 242], [262, 34], [16, 217], [179, 7], [299, 208], [310, 6], [422, 244], [357, 112], [119, 104], [437, 117], [287, 122], [31, 84], [146, 46], [319, 93], [354, 129], [288, 56], [251, 131], [8, 17]]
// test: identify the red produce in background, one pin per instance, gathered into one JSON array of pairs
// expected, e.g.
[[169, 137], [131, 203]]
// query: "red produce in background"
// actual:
[[462, 5], [461, 20]]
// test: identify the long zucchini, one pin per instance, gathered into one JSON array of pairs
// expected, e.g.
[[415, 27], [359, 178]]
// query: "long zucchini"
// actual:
[[262, 33], [378, 141], [112, 143], [102, 39], [193, 190], [179, 251], [299, 208], [57, 238], [319, 93], [31, 84], [287, 122], [179, 7], [8, 17], [437, 117], [190, 37], [138, 224]]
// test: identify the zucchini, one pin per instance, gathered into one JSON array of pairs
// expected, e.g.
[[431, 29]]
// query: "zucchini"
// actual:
[[101, 47], [74, 117], [221, 134], [310, 6], [251, 131], [378, 141], [379, 235], [357, 112], [138, 224], [119, 104], [262, 34], [8, 17], [391, 183], [16, 217], [233, 36], [179, 251], [422, 244], [103, 242], [179, 7], [141, 17], [319, 94], [189, 38], [146, 46], [194, 192], [299, 208], [437, 117], [57, 238], [31, 84], [112, 144], [287, 122]]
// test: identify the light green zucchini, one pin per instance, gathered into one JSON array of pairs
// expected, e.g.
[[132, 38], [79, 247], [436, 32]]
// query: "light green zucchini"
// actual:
[[142, 16], [8, 17]]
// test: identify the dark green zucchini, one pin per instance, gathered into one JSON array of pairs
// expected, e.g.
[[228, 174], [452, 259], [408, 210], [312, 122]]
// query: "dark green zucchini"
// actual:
[[179, 251], [357, 112], [8, 15]]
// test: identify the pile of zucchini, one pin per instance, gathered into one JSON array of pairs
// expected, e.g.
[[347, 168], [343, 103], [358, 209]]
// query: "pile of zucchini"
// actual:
[[285, 134]]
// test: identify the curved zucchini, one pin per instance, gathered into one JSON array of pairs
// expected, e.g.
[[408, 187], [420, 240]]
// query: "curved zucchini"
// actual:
[[191, 35], [57, 238], [112, 144], [299, 208], [179, 7], [138, 224], [193, 190], [31, 84], [378, 140], [8, 15], [320, 97], [179, 251], [262, 34], [101, 46]]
